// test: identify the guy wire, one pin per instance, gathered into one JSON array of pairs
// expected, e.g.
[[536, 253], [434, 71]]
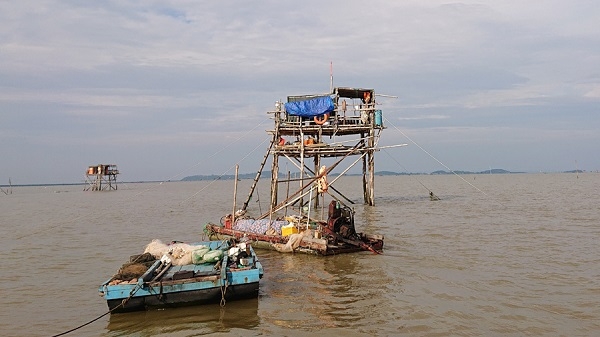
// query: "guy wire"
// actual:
[[437, 160]]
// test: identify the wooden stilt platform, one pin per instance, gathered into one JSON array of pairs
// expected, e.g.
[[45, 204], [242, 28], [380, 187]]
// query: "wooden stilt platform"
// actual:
[[317, 134], [101, 177]]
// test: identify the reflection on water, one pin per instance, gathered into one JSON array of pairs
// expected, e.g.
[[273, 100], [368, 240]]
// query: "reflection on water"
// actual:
[[311, 292], [201, 320]]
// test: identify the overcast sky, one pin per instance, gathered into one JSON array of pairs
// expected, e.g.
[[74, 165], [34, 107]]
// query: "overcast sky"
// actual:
[[166, 89]]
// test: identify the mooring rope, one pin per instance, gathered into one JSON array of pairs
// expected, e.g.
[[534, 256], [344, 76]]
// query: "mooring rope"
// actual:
[[122, 304], [90, 322], [223, 292], [405, 170], [220, 150]]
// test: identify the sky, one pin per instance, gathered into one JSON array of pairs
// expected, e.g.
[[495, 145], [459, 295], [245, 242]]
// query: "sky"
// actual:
[[168, 89]]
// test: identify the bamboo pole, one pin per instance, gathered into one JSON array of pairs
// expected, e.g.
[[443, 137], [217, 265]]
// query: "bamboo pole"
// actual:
[[323, 206], [301, 157], [364, 176], [371, 161], [309, 208], [274, 177], [287, 193], [237, 167], [317, 160], [275, 164]]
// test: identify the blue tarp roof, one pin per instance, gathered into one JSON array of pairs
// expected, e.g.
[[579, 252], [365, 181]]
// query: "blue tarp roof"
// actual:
[[310, 108]]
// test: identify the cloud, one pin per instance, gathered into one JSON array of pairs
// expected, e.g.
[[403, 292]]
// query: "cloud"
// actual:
[[179, 76]]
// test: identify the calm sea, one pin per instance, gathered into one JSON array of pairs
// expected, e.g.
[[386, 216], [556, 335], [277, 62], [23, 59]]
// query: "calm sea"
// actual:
[[499, 255]]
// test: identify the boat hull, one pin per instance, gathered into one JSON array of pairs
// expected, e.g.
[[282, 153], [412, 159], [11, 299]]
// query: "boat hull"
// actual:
[[184, 298]]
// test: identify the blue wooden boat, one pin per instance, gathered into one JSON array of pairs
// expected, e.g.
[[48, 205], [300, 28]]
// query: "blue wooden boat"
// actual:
[[234, 276]]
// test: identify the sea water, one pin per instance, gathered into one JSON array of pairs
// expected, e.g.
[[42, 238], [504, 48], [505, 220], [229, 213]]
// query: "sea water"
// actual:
[[498, 255]]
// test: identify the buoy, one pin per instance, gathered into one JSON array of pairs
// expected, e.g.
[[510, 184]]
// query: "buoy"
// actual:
[[321, 121]]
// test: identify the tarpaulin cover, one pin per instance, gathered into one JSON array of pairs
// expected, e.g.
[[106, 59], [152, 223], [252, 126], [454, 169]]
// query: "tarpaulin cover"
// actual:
[[310, 108]]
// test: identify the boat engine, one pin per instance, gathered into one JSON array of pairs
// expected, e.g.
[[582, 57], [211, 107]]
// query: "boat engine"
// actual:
[[341, 220]]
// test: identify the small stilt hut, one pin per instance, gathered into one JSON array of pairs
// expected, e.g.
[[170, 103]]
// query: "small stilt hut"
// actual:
[[101, 177]]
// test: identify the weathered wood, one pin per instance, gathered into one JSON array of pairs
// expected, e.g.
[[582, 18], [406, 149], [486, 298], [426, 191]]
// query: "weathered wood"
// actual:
[[340, 123], [96, 175], [301, 192], [166, 285], [364, 175], [237, 169], [302, 146], [287, 193], [371, 163], [317, 161], [274, 177], [308, 244]]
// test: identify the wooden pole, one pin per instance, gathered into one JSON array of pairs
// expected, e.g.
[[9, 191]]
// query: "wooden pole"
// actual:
[[237, 167], [317, 160], [364, 174], [274, 177], [287, 193], [301, 158], [371, 160], [275, 164], [323, 207]]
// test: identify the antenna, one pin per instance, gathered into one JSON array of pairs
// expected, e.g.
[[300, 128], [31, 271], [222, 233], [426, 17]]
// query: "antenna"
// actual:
[[330, 76]]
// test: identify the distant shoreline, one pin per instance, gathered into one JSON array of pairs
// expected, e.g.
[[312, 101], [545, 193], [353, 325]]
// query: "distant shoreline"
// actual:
[[378, 173], [210, 177]]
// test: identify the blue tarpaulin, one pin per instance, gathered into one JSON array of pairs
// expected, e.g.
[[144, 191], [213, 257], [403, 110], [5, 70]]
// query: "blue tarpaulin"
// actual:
[[310, 108]]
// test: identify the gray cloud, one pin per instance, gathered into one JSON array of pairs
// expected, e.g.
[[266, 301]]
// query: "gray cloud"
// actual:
[[174, 80]]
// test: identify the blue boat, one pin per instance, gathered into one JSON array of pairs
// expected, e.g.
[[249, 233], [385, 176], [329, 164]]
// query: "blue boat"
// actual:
[[223, 272]]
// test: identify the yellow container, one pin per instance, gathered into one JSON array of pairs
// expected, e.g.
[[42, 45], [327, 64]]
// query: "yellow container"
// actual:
[[288, 230]]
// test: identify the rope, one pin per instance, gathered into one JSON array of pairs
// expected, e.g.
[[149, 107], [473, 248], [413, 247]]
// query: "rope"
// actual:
[[81, 326], [223, 292], [434, 158], [258, 200], [143, 191], [122, 304], [405, 170]]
